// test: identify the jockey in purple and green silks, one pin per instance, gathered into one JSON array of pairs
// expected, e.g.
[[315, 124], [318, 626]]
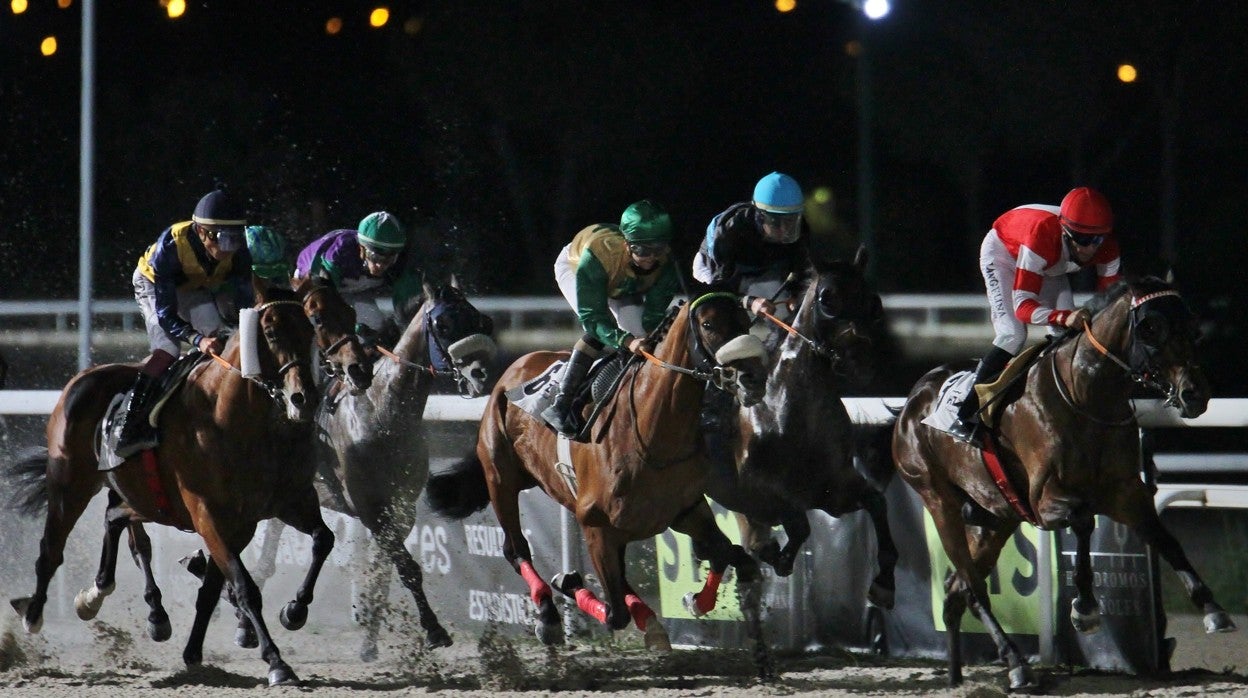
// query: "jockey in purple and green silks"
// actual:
[[189, 285], [360, 264]]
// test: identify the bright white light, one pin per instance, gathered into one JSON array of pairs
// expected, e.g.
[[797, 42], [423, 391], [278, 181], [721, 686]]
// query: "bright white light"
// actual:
[[875, 9]]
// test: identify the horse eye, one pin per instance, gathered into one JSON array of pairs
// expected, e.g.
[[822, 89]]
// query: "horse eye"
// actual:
[[707, 325]]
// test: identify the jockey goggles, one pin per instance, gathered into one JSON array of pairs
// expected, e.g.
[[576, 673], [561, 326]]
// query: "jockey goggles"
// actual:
[[379, 256], [783, 228], [648, 249], [1082, 239], [227, 239]]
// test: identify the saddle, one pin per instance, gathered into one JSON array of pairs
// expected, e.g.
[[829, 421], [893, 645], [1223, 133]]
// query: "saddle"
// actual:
[[110, 427], [990, 394], [599, 386]]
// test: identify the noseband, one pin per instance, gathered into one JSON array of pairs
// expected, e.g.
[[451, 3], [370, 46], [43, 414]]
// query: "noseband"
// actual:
[[273, 388], [324, 359]]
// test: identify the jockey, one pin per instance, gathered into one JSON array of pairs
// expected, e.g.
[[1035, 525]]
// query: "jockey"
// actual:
[[753, 246], [268, 255], [620, 281], [196, 274], [1025, 260], [359, 263]]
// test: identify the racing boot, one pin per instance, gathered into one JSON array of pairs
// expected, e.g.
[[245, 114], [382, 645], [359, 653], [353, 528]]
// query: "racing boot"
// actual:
[[559, 415], [137, 433], [966, 427]]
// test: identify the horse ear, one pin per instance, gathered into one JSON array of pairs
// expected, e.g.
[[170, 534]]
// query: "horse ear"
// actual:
[[299, 284], [455, 282], [860, 258], [427, 288], [1169, 277], [259, 289]]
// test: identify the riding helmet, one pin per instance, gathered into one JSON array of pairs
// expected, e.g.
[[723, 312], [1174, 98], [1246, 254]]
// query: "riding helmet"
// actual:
[[646, 221], [382, 231], [268, 253], [1086, 210], [779, 193]]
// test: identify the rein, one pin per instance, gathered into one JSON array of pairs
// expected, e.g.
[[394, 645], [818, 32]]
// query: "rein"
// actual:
[[271, 388]]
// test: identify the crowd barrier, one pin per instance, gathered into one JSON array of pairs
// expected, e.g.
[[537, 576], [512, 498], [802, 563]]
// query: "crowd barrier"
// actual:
[[821, 603]]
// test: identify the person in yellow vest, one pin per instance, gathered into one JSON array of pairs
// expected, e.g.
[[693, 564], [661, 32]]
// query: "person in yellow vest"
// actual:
[[189, 284], [620, 280]]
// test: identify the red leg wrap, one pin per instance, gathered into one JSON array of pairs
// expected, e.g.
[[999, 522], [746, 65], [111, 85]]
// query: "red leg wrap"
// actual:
[[587, 602], [638, 609], [538, 588], [706, 598]]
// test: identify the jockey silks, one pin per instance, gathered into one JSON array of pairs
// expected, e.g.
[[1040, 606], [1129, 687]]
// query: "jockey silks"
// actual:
[[177, 261]]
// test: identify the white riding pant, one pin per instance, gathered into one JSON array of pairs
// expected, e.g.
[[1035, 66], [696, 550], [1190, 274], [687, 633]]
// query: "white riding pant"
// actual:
[[998, 267], [627, 311], [202, 308]]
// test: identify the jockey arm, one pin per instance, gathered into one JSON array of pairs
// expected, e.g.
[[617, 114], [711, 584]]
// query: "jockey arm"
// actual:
[[167, 268], [591, 300], [660, 295]]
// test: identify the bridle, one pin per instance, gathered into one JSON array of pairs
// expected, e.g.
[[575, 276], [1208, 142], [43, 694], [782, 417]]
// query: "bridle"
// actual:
[[324, 356], [441, 363], [271, 387]]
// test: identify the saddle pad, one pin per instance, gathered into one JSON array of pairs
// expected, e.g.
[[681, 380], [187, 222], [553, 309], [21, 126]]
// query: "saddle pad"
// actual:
[[538, 393], [987, 391], [110, 426], [952, 392]]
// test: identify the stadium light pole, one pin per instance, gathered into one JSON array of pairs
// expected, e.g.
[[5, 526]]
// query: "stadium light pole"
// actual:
[[868, 12], [86, 184]]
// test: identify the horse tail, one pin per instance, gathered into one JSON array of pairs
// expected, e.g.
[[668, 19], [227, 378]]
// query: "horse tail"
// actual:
[[25, 478], [459, 491], [873, 450]]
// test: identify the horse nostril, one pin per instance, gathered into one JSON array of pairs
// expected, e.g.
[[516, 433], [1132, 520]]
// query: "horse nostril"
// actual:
[[298, 399]]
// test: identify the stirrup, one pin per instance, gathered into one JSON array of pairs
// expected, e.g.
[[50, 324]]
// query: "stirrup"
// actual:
[[967, 431], [563, 423]]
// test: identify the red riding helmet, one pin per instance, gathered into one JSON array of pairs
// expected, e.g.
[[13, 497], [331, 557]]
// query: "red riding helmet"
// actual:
[[1086, 210]]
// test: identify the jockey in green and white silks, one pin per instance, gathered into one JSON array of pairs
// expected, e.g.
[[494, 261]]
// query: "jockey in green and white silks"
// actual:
[[620, 280]]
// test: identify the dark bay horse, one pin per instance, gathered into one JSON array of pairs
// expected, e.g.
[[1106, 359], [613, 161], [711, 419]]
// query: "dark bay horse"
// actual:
[[1069, 445], [234, 451], [642, 472], [372, 449], [794, 451]]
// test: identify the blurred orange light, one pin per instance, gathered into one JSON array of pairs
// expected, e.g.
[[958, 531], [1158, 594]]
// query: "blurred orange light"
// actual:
[[1126, 73], [176, 8], [379, 17], [333, 25], [48, 46], [413, 25], [19, 6], [63, 4], [786, 5]]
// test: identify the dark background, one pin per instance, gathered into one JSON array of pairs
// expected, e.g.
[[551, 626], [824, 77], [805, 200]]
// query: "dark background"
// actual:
[[496, 130]]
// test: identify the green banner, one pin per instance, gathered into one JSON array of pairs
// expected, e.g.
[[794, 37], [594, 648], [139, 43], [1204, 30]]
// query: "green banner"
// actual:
[[680, 573]]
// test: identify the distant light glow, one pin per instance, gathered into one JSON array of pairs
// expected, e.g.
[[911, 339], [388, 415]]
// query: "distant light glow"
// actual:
[[1126, 73], [822, 195], [333, 25], [64, 4], [853, 49], [48, 46], [379, 17], [413, 25], [876, 9], [18, 6], [176, 8], [785, 5]]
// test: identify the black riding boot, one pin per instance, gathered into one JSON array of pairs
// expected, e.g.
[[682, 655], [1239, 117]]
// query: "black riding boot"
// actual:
[[559, 415], [137, 433], [966, 427]]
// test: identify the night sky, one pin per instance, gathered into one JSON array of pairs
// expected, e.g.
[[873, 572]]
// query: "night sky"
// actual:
[[499, 129]]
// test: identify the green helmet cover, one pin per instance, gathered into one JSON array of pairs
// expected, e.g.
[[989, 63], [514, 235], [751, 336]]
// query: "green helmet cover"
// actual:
[[646, 221], [381, 231], [268, 253]]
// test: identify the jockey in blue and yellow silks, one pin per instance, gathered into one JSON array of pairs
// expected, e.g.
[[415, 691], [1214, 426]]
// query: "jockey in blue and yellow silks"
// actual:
[[189, 284]]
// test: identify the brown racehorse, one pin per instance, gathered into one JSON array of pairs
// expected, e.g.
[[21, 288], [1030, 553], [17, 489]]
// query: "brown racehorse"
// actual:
[[333, 321], [1069, 444], [234, 451], [794, 451], [643, 471]]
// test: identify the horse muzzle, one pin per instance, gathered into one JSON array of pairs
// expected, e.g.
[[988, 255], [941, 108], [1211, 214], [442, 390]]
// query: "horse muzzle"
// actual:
[[742, 369]]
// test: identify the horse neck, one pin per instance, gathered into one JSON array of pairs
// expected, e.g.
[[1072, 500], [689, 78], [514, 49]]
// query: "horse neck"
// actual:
[[400, 388], [670, 396], [1092, 377], [797, 355]]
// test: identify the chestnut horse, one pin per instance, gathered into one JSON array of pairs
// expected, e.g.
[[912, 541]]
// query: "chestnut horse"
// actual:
[[794, 451], [234, 451], [1069, 444], [643, 471], [373, 453]]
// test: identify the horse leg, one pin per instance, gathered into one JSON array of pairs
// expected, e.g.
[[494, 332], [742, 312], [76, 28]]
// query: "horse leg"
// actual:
[[412, 576], [370, 607], [884, 587], [87, 602], [158, 627], [796, 530], [248, 596], [205, 602], [266, 567], [606, 552], [710, 543], [305, 517], [1085, 612], [646, 620]]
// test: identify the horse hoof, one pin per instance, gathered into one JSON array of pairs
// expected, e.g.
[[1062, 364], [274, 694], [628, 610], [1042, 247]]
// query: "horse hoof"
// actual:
[[192, 658], [368, 653], [159, 631], [1022, 679], [1217, 622], [567, 583], [549, 633], [87, 603], [22, 606], [1086, 623], [245, 636], [691, 605], [293, 615], [437, 637], [282, 675], [882, 596], [656, 637]]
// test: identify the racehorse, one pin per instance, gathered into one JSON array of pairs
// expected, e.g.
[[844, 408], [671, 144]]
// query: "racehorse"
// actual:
[[794, 451], [1069, 446], [643, 471], [372, 448], [333, 321], [235, 450]]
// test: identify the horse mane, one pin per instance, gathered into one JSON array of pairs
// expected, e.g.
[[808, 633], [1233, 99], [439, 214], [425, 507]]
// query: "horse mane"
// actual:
[[1141, 286]]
